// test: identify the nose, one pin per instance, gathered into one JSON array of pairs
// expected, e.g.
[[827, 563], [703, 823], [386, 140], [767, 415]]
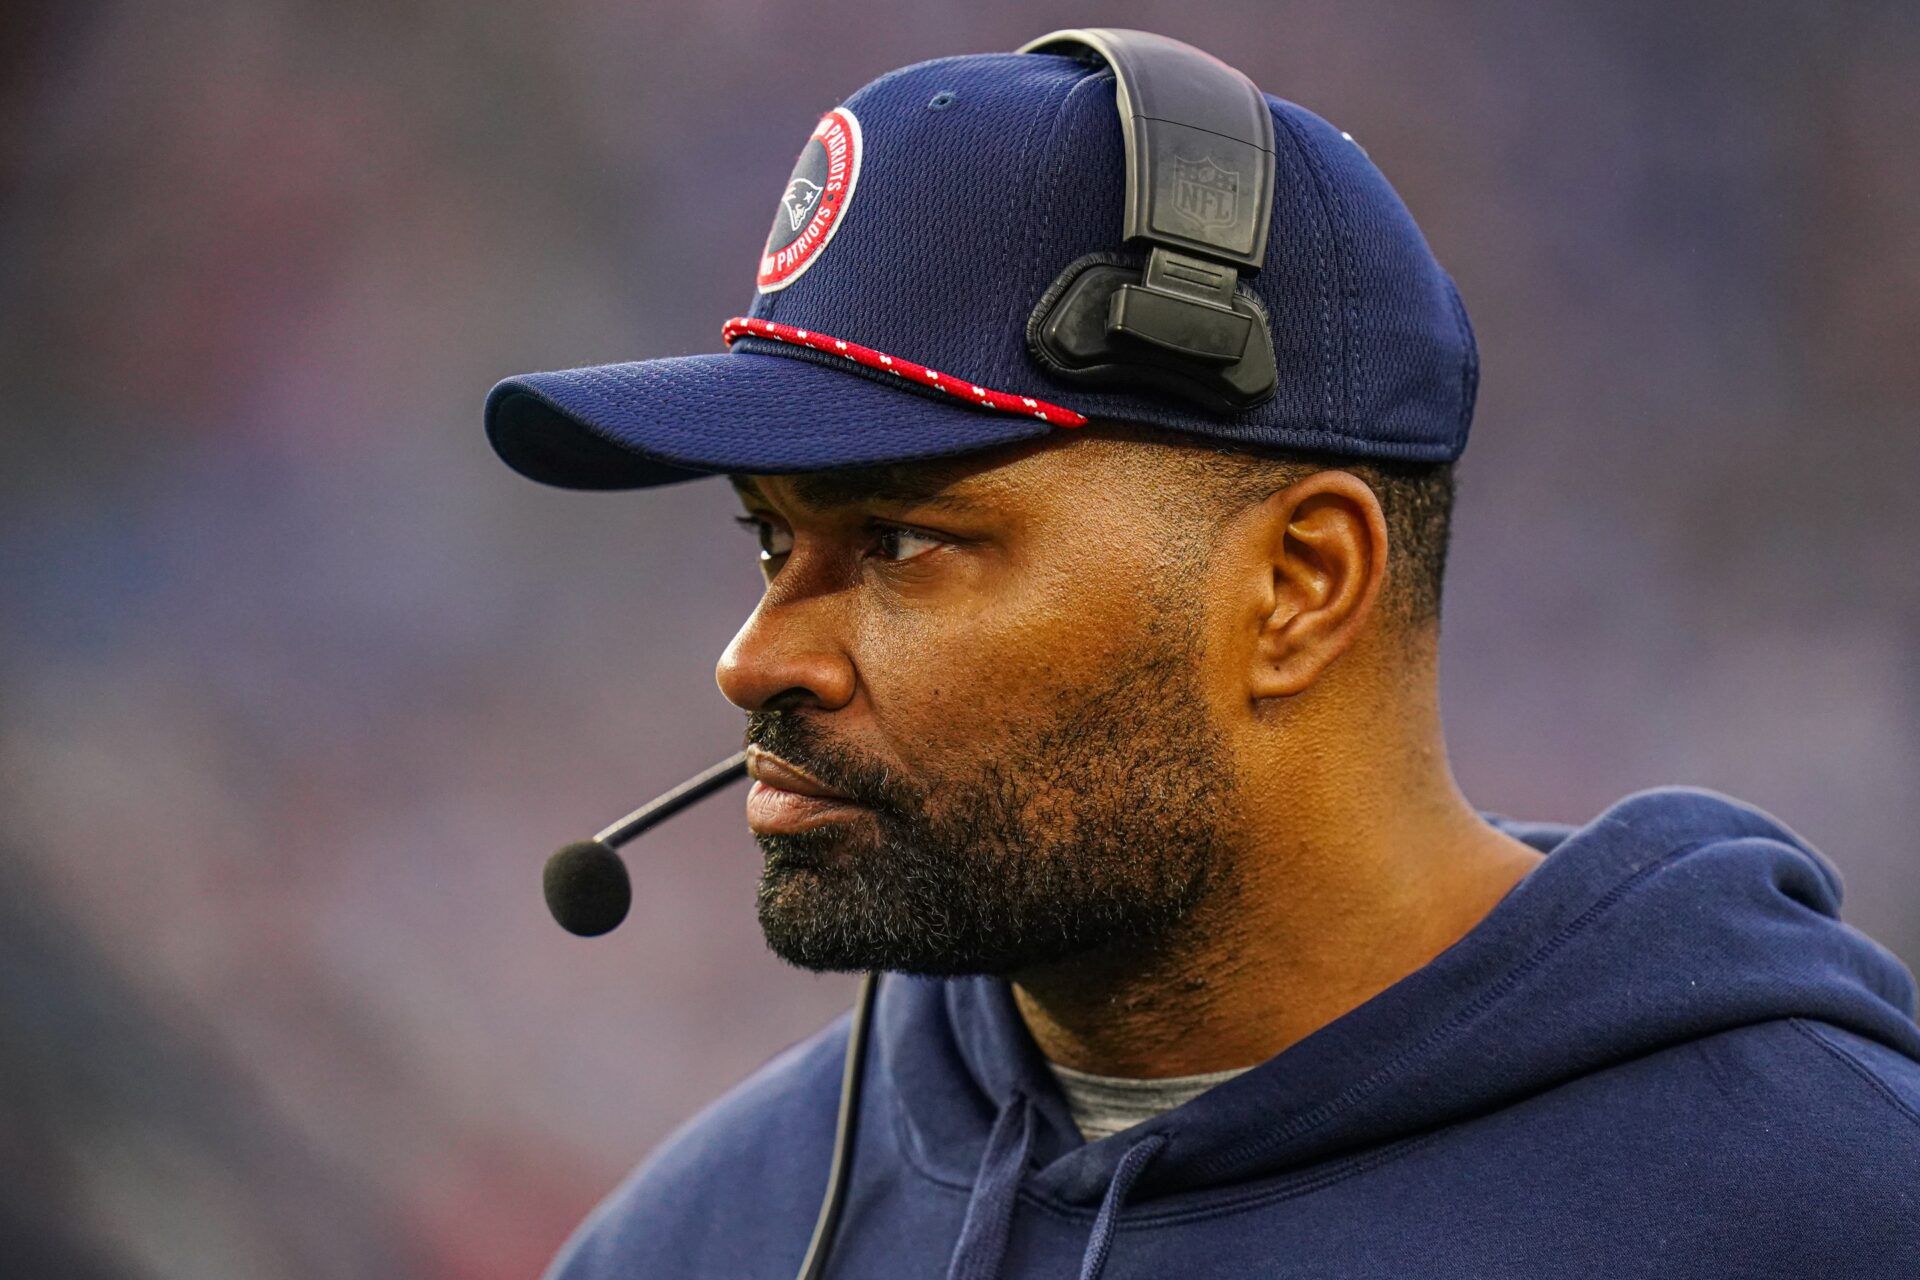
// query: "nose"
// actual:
[[786, 656]]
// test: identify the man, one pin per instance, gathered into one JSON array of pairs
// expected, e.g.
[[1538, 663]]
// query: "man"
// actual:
[[1098, 710]]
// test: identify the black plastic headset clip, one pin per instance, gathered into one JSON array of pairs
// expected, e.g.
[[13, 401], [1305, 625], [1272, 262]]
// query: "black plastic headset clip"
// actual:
[[1200, 173]]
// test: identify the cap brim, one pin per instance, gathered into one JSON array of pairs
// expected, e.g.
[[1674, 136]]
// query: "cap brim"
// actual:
[[653, 422]]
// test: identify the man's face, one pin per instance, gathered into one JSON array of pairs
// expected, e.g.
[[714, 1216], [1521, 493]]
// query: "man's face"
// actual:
[[999, 666]]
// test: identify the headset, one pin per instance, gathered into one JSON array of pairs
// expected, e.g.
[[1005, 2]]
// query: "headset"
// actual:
[[1200, 174], [1198, 137]]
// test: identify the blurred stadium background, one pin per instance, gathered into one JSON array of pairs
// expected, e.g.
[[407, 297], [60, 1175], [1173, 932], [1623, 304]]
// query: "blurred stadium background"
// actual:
[[298, 685]]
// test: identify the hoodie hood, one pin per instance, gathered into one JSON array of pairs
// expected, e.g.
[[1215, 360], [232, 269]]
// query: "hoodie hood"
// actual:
[[1675, 915]]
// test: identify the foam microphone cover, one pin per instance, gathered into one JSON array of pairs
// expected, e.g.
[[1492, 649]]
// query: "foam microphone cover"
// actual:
[[587, 888]]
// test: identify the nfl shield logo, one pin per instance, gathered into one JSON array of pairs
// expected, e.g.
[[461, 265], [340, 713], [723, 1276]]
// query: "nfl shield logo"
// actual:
[[1205, 191]]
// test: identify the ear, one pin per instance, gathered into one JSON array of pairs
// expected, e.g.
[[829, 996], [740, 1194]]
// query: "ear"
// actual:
[[1325, 542]]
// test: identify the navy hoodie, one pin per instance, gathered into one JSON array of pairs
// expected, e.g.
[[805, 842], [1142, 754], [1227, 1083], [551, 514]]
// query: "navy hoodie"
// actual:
[[1661, 1054]]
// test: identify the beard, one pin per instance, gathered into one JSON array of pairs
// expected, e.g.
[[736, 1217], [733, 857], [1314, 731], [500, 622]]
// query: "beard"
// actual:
[[1099, 825]]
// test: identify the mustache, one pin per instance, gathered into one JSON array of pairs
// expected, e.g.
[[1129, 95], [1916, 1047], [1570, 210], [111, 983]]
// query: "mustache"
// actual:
[[800, 743]]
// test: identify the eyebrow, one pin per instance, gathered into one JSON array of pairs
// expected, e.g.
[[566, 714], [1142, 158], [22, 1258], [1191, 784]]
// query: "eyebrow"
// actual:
[[918, 485]]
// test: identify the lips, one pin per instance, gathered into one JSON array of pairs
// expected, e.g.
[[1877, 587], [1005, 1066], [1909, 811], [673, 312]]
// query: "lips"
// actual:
[[786, 800]]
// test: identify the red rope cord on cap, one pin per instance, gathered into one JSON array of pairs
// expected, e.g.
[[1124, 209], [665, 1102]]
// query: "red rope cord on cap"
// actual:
[[958, 388]]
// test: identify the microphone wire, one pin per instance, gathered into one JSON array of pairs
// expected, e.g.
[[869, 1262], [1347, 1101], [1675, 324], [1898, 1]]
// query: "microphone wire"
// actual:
[[840, 1169]]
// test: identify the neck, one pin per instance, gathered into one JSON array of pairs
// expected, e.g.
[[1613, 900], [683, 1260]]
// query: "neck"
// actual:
[[1342, 884]]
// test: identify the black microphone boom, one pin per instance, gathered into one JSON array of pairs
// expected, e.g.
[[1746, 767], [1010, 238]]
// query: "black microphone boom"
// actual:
[[586, 883]]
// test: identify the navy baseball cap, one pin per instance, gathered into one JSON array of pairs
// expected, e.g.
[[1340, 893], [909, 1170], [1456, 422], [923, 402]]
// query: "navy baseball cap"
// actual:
[[926, 217]]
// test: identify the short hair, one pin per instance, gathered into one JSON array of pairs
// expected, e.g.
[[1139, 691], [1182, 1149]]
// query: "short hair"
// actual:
[[1416, 500]]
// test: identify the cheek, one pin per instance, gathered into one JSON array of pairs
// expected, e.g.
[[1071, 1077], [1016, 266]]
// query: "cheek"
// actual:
[[959, 682]]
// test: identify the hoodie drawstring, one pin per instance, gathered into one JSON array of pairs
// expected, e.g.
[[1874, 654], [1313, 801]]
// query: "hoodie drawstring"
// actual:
[[981, 1250], [983, 1236], [1100, 1242]]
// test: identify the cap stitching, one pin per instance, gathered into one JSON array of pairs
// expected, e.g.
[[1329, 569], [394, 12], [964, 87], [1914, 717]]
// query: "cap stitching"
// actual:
[[1337, 339], [1349, 291], [1331, 419], [1060, 157], [1022, 300]]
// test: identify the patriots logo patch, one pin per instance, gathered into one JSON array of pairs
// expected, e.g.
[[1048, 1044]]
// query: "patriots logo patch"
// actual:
[[814, 203], [799, 201]]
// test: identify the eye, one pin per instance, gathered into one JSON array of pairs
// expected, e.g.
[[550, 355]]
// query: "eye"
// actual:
[[899, 544], [774, 541]]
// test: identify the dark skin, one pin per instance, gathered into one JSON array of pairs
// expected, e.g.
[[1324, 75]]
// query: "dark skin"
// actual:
[[915, 620]]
